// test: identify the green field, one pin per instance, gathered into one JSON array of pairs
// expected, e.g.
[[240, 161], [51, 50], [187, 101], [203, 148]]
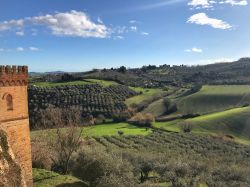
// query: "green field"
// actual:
[[214, 98], [102, 130], [235, 122], [112, 129], [83, 82], [43, 178], [169, 126], [147, 93]]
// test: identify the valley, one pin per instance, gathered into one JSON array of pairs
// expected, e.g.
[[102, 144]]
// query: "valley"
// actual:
[[203, 121]]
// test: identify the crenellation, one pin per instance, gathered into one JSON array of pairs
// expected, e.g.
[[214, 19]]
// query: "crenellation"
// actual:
[[13, 75]]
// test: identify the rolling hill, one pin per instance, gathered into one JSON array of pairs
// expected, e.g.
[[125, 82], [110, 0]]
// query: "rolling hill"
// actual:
[[214, 98], [234, 122]]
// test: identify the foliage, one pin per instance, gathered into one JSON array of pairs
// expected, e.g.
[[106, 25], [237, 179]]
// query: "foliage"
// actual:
[[142, 120], [96, 167], [90, 99], [182, 159], [63, 146], [170, 106], [41, 155]]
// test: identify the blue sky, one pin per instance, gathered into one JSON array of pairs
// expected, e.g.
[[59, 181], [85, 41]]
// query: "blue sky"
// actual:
[[79, 35]]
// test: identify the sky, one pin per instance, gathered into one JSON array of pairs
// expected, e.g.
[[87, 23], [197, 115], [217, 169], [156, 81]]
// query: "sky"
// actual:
[[79, 35]]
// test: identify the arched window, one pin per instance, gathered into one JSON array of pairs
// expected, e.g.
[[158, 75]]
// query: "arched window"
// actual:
[[9, 102]]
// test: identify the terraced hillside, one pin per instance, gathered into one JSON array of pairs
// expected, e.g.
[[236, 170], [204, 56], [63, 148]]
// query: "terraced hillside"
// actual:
[[214, 98]]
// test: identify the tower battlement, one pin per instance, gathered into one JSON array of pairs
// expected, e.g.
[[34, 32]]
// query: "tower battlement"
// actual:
[[13, 75]]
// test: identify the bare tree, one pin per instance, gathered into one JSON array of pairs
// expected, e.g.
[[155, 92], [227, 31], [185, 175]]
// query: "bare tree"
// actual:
[[65, 139], [64, 144]]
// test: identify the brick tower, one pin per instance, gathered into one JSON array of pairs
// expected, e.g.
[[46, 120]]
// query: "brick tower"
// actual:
[[14, 118]]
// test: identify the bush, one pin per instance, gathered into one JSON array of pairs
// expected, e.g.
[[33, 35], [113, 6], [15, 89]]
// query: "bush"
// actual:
[[170, 106], [143, 120], [120, 133], [91, 166], [186, 127], [121, 117], [41, 156]]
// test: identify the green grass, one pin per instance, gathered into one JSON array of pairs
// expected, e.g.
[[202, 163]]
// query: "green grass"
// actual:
[[84, 82], [156, 108], [101, 130], [214, 98], [112, 129], [169, 126], [43, 178], [146, 94], [235, 122]]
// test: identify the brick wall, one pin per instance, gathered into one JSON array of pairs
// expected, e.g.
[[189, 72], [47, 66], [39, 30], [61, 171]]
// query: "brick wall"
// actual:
[[13, 81]]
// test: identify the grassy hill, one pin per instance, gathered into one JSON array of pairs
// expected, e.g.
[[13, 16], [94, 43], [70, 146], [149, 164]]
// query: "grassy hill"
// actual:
[[146, 93], [214, 98], [234, 122], [43, 178], [156, 108]]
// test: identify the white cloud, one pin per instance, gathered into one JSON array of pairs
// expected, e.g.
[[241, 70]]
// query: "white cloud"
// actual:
[[133, 28], [71, 23], [132, 21], [1, 49], [20, 33], [99, 20], [118, 37], [20, 49], [145, 33], [201, 3], [8, 25], [235, 2], [194, 50], [203, 19], [33, 49]]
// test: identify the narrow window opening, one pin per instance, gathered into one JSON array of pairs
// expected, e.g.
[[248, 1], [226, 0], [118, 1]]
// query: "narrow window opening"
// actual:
[[9, 102]]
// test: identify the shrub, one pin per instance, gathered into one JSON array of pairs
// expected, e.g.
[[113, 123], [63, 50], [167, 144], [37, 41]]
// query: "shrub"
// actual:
[[120, 133], [41, 156], [186, 127], [170, 106], [121, 117], [143, 120], [91, 166]]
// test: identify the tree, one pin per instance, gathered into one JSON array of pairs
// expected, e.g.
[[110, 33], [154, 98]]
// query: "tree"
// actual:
[[186, 127], [140, 119], [65, 143], [122, 69], [66, 139]]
